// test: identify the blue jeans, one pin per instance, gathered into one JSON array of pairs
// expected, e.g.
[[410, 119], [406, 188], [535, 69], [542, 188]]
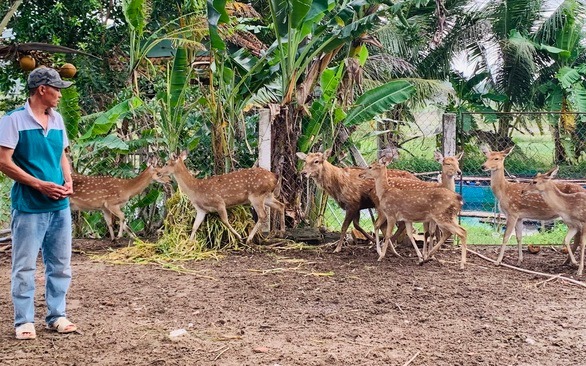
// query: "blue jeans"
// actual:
[[49, 232]]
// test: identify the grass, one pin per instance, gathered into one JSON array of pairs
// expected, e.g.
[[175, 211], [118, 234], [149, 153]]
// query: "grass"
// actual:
[[478, 234]]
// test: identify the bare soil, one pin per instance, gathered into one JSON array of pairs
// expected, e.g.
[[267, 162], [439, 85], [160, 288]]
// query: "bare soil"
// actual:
[[309, 307]]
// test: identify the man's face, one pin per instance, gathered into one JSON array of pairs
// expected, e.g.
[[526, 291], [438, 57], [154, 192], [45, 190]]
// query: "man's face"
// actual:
[[50, 95]]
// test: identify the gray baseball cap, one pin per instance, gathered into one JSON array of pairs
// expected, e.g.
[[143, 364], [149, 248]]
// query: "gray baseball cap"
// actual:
[[46, 76]]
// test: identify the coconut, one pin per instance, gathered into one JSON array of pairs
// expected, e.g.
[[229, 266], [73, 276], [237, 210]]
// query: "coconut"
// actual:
[[67, 71], [533, 249], [27, 63]]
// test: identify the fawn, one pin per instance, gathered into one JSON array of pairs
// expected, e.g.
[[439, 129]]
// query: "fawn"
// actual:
[[417, 204]]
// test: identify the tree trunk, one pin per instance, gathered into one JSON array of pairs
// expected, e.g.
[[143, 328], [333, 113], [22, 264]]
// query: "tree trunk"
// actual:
[[285, 134], [559, 151], [219, 147]]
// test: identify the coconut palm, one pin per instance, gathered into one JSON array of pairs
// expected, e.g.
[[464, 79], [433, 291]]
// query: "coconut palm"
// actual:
[[560, 86]]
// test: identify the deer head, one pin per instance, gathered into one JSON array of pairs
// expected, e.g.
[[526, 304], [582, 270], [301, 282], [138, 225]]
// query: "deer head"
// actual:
[[495, 160], [374, 170], [314, 163], [450, 164], [541, 181]]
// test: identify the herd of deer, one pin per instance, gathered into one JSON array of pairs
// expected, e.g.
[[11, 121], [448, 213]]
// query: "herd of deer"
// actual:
[[399, 197]]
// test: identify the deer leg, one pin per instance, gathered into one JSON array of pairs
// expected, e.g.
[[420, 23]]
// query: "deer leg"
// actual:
[[108, 218], [400, 231], [519, 235], [199, 217], [377, 225], [347, 220], [571, 233], [224, 218], [386, 239], [431, 235], [511, 221], [582, 246], [273, 203], [574, 246], [118, 213], [426, 236], [356, 223], [262, 217], [409, 230]]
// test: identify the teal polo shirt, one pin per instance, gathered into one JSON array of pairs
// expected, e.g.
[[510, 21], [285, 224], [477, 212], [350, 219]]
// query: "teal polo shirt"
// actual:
[[37, 152]]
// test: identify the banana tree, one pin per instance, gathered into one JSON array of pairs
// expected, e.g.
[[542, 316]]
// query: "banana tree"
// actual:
[[310, 36]]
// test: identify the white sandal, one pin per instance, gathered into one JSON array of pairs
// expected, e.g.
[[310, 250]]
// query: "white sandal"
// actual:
[[26, 331], [62, 325]]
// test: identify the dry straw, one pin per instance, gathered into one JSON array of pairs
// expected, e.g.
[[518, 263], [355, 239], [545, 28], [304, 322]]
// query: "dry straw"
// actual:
[[174, 245]]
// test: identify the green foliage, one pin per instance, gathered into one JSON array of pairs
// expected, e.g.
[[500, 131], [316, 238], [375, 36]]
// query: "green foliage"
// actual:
[[70, 110], [5, 205], [378, 101]]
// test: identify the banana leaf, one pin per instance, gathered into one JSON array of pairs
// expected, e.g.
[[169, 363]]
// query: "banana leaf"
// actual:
[[379, 100], [106, 120]]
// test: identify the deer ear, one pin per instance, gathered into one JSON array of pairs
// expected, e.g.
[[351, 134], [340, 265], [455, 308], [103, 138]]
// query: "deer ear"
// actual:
[[508, 150], [301, 156], [183, 155], [459, 156], [327, 154], [438, 156], [153, 161], [552, 172]]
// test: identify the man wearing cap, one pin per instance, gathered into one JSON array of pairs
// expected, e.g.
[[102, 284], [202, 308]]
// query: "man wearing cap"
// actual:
[[32, 152]]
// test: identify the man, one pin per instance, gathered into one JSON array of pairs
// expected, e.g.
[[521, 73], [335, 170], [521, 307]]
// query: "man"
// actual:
[[32, 152]]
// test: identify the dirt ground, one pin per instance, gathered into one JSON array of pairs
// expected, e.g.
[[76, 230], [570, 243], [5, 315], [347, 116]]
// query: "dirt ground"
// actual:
[[309, 307]]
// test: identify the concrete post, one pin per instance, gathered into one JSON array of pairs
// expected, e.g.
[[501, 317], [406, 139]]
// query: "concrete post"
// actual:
[[449, 134]]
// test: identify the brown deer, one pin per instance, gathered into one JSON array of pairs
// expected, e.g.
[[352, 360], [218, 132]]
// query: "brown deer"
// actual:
[[416, 204], [344, 185], [516, 200], [252, 186], [109, 194], [571, 207]]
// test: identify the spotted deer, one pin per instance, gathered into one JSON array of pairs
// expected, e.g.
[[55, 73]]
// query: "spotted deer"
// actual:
[[571, 207], [517, 201], [450, 169], [252, 186], [416, 204], [109, 194], [344, 185]]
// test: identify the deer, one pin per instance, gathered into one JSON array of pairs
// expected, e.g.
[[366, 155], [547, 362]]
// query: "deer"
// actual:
[[450, 169], [344, 185], [571, 207], [517, 201], [254, 186], [416, 203], [109, 194]]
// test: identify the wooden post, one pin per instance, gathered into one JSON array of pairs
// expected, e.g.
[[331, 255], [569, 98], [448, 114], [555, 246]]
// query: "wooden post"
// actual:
[[449, 134], [264, 150]]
